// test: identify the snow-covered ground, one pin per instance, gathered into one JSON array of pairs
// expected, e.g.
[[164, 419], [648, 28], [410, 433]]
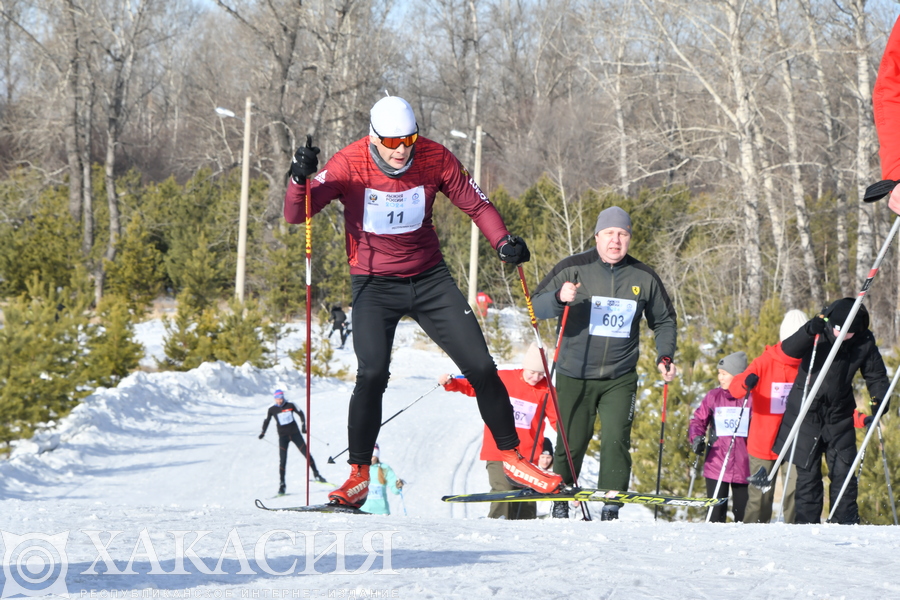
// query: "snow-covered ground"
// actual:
[[147, 491]]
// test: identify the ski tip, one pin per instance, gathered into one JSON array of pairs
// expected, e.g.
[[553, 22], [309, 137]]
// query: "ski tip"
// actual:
[[259, 504]]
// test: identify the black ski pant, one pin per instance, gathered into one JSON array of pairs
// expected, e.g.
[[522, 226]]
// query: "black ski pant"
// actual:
[[839, 451], [739, 495], [284, 441], [435, 302]]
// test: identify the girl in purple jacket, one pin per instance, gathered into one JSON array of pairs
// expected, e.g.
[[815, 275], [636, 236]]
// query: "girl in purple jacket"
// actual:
[[723, 411]]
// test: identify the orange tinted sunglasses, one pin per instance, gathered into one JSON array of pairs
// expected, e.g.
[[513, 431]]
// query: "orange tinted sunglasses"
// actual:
[[394, 142]]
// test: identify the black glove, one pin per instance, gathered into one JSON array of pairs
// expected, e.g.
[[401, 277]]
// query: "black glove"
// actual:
[[698, 445], [303, 429], [816, 325], [750, 381], [513, 251], [262, 435], [868, 420], [306, 161]]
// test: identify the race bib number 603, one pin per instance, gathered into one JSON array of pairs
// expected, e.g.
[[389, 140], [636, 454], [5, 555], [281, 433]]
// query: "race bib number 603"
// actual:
[[612, 317]]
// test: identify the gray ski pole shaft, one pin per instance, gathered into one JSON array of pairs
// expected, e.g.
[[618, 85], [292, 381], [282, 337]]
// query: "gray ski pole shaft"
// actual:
[[731, 445], [764, 480], [787, 471], [887, 475], [862, 448], [331, 458]]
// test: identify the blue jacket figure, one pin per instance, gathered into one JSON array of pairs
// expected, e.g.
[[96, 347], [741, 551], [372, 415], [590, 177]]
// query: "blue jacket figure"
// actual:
[[381, 479]]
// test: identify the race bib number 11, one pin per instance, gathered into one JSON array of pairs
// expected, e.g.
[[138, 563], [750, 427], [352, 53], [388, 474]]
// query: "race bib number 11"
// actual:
[[392, 213]]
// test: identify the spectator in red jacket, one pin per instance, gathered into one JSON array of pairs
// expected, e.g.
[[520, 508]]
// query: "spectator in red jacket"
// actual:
[[777, 372], [528, 394]]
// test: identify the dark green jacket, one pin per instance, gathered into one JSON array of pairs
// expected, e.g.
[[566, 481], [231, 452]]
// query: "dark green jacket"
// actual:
[[631, 289]]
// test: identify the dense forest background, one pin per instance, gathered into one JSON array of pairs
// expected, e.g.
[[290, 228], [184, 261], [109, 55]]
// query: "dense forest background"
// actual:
[[737, 133]]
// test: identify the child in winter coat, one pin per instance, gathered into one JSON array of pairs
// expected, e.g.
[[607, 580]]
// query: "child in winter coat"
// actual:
[[776, 372], [381, 480], [730, 419]]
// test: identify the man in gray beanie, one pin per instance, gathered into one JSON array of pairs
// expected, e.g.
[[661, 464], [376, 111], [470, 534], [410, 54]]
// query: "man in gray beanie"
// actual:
[[607, 292]]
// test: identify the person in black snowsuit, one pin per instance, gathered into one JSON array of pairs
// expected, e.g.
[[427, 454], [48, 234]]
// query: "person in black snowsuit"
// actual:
[[339, 323], [288, 432], [828, 425]]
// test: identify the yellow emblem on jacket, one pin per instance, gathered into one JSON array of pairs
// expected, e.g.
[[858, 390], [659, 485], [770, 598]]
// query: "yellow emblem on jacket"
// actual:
[[636, 290]]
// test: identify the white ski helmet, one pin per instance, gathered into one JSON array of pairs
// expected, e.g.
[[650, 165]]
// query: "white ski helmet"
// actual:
[[392, 117]]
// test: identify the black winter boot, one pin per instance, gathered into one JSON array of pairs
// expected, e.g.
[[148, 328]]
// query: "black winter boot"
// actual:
[[610, 512], [560, 509]]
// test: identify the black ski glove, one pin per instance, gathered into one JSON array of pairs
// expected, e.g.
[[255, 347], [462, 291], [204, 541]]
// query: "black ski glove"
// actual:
[[750, 381], [698, 445], [816, 325], [303, 429], [513, 251], [262, 435], [306, 161]]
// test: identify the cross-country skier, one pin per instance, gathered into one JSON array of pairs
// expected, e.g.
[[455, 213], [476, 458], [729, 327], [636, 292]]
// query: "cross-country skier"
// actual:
[[388, 182], [288, 432], [598, 356], [729, 418], [777, 372], [528, 391], [828, 426]]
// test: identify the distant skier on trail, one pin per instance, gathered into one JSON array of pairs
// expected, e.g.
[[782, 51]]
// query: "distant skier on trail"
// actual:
[[388, 182], [288, 432], [528, 394], [340, 324]]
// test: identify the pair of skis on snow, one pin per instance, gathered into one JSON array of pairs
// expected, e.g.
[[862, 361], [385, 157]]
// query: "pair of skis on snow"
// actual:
[[527, 495]]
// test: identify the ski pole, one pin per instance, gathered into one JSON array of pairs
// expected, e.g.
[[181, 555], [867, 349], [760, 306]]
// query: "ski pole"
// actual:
[[693, 476], [764, 480], [540, 345], [887, 474], [403, 503], [662, 434], [787, 474], [749, 383], [308, 320], [875, 423], [331, 458]]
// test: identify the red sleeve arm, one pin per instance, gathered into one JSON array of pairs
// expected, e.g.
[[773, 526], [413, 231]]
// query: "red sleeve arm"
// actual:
[[551, 413], [460, 384], [460, 187], [324, 189], [886, 105]]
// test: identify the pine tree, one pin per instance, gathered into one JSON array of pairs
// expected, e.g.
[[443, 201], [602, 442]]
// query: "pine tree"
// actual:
[[41, 358], [200, 276], [190, 339], [240, 338], [136, 275], [113, 352]]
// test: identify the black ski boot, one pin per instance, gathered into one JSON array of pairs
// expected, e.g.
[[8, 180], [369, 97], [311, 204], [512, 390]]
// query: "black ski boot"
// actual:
[[610, 512], [560, 509], [319, 478], [281, 489]]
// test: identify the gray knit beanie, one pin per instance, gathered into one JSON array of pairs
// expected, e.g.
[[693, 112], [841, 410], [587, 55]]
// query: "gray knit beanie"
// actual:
[[735, 363], [613, 217]]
